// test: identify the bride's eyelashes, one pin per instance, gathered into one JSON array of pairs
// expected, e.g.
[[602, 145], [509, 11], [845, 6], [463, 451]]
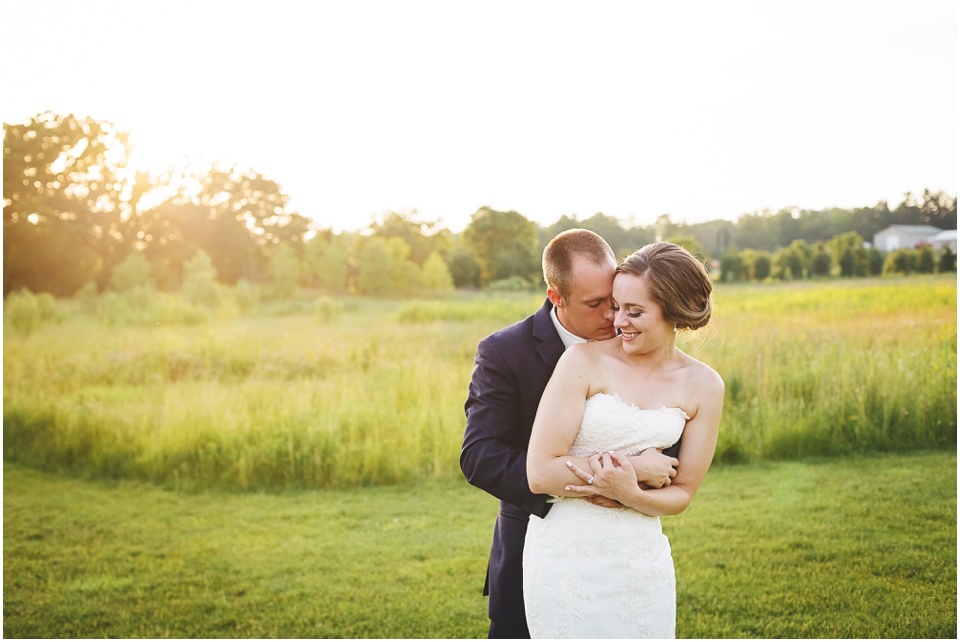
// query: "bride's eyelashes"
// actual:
[[632, 315]]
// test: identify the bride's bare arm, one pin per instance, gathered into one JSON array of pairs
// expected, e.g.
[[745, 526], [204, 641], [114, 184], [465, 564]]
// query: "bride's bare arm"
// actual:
[[614, 476], [556, 426]]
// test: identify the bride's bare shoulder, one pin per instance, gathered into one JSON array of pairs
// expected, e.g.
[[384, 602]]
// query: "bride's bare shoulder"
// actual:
[[590, 354], [703, 376]]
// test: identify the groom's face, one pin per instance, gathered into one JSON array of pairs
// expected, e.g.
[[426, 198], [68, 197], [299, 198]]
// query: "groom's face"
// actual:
[[587, 312]]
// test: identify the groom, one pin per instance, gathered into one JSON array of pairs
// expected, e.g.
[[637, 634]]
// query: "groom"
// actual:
[[511, 370]]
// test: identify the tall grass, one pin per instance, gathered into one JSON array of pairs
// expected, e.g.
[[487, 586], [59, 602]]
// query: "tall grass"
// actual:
[[836, 369], [374, 393]]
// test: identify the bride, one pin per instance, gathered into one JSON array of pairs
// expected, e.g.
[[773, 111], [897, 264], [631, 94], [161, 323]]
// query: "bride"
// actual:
[[595, 572]]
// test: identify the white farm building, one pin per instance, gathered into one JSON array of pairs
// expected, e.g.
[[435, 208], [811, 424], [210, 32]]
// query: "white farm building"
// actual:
[[898, 237]]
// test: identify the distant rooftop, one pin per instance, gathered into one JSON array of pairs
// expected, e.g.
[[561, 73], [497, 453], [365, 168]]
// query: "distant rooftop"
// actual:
[[946, 235], [917, 229]]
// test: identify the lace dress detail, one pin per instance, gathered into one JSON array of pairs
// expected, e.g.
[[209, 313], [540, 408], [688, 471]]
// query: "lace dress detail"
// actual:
[[592, 572]]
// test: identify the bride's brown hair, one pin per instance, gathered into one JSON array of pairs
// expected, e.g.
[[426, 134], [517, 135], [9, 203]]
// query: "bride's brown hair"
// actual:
[[677, 281]]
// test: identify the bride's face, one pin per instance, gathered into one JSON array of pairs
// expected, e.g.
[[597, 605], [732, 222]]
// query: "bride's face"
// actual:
[[639, 319]]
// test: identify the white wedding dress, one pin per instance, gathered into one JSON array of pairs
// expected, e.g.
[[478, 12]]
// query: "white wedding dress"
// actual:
[[594, 572]]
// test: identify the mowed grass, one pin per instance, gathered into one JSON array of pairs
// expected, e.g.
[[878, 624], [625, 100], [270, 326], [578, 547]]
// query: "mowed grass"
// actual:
[[859, 547], [282, 399]]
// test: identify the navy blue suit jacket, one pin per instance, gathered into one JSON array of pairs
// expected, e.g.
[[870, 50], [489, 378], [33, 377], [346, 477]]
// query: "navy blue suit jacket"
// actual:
[[511, 370]]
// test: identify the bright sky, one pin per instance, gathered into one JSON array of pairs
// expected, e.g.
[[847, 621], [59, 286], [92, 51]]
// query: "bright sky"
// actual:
[[702, 110]]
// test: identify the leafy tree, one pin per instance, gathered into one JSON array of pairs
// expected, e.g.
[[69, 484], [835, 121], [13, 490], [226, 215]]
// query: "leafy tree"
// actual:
[[436, 277], [847, 262], [715, 236], [785, 226], [464, 268], [822, 262], [925, 260], [849, 254], [806, 253], [664, 227], [761, 266], [939, 210], [691, 245], [789, 263], [414, 232], [376, 266], [748, 259], [903, 261], [564, 223], [610, 230], [200, 285], [504, 244], [65, 220], [730, 265], [232, 213], [132, 271], [325, 263], [756, 231], [284, 271], [947, 261], [404, 275], [875, 259]]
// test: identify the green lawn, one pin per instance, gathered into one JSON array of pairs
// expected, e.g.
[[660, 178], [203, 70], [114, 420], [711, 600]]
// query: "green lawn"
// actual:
[[851, 548]]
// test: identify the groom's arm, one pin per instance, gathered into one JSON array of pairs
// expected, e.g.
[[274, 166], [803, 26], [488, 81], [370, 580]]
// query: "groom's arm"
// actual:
[[655, 469], [494, 452]]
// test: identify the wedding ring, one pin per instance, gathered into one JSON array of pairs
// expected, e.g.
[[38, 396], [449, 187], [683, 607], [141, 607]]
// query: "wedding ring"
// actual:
[[590, 481]]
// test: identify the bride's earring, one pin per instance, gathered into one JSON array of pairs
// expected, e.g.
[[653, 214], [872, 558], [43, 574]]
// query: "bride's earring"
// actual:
[[674, 329]]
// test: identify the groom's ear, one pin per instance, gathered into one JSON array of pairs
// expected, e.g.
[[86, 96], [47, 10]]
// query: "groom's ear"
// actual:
[[555, 298]]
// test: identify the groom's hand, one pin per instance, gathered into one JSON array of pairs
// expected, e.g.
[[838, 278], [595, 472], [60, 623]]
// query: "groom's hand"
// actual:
[[606, 502], [654, 469]]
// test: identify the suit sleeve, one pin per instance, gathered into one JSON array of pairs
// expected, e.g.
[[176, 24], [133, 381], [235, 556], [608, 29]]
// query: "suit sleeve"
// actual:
[[494, 453]]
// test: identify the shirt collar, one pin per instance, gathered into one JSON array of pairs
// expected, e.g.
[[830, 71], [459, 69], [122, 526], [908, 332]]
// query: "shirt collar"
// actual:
[[566, 336]]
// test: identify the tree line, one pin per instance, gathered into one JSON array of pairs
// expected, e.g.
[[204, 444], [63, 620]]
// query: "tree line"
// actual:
[[76, 218]]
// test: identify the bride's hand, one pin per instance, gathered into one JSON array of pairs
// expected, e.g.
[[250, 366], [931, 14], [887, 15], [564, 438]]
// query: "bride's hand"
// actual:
[[612, 476]]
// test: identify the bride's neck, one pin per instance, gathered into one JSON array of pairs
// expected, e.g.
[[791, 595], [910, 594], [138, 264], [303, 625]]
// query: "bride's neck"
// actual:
[[656, 359]]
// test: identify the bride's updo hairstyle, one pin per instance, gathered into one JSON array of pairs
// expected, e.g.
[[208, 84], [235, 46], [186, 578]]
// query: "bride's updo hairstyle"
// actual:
[[677, 281]]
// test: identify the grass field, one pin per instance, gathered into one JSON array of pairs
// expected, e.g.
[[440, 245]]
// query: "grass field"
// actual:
[[860, 547], [283, 400], [287, 473]]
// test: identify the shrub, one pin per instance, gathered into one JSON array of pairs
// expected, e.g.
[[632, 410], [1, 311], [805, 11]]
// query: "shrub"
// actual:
[[327, 309], [86, 297], [822, 263], [947, 261], [513, 283], [144, 306], [247, 295], [25, 311], [875, 259], [925, 260], [133, 271], [200, 285], [903, 261]]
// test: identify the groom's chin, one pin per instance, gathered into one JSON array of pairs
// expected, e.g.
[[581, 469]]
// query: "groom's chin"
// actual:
[[604, 334]]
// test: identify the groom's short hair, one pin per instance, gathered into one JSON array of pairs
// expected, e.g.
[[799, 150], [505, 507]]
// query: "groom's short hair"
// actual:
[[559, 254]]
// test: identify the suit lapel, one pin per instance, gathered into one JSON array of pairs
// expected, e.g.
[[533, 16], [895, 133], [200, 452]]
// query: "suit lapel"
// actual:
[[551, 347]]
